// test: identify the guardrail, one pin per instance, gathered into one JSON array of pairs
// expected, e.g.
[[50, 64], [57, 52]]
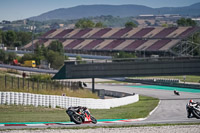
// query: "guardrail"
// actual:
[[162, 82], [52, 101]]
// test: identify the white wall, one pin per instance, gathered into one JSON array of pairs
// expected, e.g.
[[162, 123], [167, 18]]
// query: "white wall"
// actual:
[[53, 101]]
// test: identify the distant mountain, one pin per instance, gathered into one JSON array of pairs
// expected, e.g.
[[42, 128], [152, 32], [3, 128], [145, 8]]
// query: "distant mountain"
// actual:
[[192, 10], [114, 10]]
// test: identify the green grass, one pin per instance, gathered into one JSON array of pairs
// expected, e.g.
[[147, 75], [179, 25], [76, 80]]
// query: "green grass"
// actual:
[[136, 110], [189, 78], [13, 113], [48, 88]]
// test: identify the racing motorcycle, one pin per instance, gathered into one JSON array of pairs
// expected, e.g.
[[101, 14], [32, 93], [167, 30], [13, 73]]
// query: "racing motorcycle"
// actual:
[[193, 109], [176, 93], [80, 115]]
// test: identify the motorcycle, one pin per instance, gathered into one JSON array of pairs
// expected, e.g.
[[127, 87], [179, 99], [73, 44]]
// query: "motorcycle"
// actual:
[[80, 115], [176, 93], [193, 109]]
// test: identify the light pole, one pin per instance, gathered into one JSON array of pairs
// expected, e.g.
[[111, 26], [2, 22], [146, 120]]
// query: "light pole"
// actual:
[[33, 31]]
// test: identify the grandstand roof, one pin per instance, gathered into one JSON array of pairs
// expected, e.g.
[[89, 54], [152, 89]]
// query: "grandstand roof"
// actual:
[[117, 39]]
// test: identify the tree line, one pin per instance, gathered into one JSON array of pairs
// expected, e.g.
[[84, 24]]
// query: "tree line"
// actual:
[[15, 39]]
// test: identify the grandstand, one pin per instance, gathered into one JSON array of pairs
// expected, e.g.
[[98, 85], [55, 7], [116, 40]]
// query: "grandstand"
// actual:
[[150, 40]]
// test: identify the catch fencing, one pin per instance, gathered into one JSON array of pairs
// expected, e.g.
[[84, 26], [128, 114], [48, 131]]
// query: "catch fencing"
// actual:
[[10, 82], [52, 101]]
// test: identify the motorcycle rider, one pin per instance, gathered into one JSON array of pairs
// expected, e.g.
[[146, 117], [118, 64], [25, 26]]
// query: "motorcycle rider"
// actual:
[[189, 109]]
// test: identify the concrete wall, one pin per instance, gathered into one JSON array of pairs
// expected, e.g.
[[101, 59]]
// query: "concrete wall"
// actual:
[[130, 68], [17, 98]]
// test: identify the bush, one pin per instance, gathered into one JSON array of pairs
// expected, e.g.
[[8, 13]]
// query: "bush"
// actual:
[[40, 77]]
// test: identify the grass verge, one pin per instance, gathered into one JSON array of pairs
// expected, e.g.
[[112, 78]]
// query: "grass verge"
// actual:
[[189, 78], [13, 113]]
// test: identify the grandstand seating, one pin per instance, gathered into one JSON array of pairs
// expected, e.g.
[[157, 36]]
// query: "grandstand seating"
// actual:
[[48, 33], [63, 33], [165, 32], [101, 32], [153, 32], [112, 39], [110, 33], [146, 44], [124, 44], [142, 32], [81, 33], [92, 44], [131, 32], [103, 44], [134, 45], [177, 32], [46, 44], [30, 44], [113, 44], [82, 44], [169, 45], [73, 44], [157, 45], [121, 32], [90, 33], [187, 32], [53, 34]]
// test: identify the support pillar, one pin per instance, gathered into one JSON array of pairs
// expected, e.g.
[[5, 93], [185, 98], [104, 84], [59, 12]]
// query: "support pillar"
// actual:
[[93, 82]]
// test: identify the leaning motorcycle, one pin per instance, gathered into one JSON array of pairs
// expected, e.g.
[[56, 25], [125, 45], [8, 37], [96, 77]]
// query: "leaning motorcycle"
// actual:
[[193, 109], [80, 115]]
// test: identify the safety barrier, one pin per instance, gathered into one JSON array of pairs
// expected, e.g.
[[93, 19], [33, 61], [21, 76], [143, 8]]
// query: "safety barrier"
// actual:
[[52, 101], [152, 80]]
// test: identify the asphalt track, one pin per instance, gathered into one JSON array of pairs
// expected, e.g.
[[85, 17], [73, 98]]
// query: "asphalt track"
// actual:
[[171, 108]]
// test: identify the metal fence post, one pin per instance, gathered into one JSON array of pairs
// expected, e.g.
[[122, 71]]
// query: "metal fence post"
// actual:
[[12, 82], [23, 82], [5, 81], [18, 83]]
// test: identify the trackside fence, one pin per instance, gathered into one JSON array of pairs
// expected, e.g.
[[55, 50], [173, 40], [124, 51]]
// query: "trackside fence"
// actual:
[[9, 83]]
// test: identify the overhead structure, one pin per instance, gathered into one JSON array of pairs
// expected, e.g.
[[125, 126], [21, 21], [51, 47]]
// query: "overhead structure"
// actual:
[[131, 67], [128, 68], [150, 39]]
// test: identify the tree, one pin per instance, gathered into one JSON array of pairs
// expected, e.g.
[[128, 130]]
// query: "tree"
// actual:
[[17, 44], [24, 37], [11, 57], [130, 24], [186, 22], [9, 38], [84, 23], [1, 34], [165, 25], [78, 58], [99, 25], [56, 46], [55, 59], [3, 55]]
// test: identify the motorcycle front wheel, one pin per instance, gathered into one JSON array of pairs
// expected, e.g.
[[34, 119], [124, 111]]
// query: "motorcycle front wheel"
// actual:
[[94, 121], [196, 113], [76, 119]]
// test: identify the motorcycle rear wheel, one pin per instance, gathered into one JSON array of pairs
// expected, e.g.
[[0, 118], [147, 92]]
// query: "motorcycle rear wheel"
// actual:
[[76, 119]]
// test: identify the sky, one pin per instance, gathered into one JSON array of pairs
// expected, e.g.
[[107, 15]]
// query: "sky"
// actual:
[[22, 9]]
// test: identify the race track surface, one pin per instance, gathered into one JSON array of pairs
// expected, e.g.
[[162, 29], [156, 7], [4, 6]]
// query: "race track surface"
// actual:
[[171, 108]]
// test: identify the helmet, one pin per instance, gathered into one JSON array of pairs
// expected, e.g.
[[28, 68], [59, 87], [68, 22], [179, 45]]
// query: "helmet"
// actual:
[[191, 101]]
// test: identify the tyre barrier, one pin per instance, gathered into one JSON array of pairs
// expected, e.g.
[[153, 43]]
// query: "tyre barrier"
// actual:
[[19, 98]]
